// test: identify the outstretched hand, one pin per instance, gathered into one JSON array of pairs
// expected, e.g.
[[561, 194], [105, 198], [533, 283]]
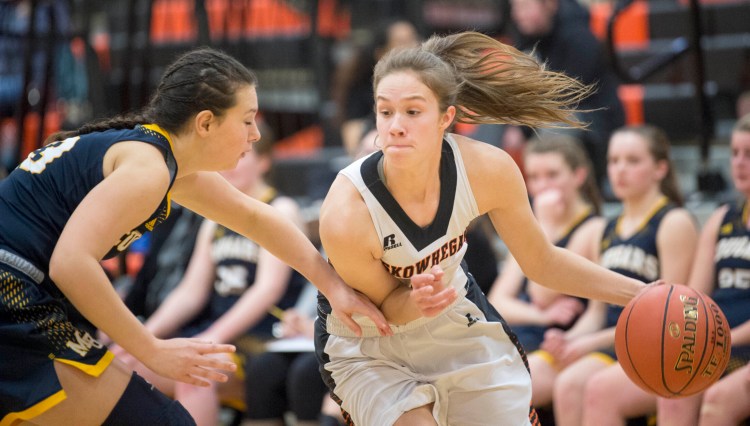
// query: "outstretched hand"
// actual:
[[190, 360], [347, 302], [429, 293]]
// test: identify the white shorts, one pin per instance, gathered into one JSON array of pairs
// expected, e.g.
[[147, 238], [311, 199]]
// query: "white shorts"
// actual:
[[467, 366]]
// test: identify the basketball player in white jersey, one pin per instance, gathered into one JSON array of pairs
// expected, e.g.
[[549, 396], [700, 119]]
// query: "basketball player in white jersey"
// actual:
[[393, 225]]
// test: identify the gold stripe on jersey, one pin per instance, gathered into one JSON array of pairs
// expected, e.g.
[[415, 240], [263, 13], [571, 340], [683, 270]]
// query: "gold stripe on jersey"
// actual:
[[92, 370], [659, 204], [35, 409], [156, 128]]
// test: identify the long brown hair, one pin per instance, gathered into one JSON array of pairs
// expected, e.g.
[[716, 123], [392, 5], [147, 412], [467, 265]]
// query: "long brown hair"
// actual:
[[742, 124], [659, 148], [574, 155], [489, 81], [202, 79]]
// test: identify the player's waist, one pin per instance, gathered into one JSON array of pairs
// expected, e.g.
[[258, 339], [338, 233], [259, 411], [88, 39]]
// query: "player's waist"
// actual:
[[337, 327]]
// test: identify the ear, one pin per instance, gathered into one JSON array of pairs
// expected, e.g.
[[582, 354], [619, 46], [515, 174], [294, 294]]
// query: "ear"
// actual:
[[580, 176], [203, 122], [662, 168], [447, 118]]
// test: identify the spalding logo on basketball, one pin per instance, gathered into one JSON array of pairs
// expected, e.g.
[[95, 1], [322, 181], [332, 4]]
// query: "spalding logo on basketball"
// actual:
[[672, 341]]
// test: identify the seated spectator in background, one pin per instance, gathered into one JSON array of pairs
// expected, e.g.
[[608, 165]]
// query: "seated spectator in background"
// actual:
[[170, 248], [229, 288], [652, 238], [558, 32], [285, 379], [723, 273], [743, 104], [566, 203], [352, 81]]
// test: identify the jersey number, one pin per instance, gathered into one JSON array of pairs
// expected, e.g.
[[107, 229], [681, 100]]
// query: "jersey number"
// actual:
[[38, 160]]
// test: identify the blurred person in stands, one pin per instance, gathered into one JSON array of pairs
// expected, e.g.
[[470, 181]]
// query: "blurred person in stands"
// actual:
[[721, 269], [652, 238], [285, 378], [566, 202], [558, 34]]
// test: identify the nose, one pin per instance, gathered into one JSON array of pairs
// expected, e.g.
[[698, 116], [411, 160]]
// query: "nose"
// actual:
[[543, 184], [396, 128], [253, 135]]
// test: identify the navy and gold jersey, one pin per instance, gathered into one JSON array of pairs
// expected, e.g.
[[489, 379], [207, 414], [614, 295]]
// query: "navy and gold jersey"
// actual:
[[38, 325], [236, 261], [40, 195], [732, 265], [636, 256]]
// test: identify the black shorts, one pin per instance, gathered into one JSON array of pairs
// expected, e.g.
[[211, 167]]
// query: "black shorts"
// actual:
[[37, 327]]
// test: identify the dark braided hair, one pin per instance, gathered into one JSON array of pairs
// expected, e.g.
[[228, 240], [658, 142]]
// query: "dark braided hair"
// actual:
[[202, 79]]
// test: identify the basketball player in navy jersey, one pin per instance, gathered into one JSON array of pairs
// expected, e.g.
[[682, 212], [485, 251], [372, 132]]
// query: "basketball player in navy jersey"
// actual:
[[90, 193], [228, 289], [722, 269], [394, 223], [653, 237]]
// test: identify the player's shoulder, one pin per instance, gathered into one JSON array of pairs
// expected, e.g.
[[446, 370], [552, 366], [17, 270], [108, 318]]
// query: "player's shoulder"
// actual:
[[680, 217], [343, 212], [483, 157]]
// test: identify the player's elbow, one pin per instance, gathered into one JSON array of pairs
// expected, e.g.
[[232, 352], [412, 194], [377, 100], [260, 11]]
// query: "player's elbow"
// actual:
[[59, 266]]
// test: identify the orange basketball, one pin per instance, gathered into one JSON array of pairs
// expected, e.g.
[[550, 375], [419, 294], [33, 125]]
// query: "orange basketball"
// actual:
[[672, 341]]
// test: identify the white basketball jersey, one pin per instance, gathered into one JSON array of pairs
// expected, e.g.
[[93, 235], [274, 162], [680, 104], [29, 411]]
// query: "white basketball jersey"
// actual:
[[409, 249]]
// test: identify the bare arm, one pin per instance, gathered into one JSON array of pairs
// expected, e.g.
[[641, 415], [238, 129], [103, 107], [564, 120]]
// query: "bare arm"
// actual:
[[136, 180], [511, 216], [504, 296], [352, 244], [193, 291], [702, 272], [676, 241], [271, 281], [211, 196]]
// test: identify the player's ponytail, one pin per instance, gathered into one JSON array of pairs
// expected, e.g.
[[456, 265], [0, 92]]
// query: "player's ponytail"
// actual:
[[489, 81], [126, 121], [202, 79]]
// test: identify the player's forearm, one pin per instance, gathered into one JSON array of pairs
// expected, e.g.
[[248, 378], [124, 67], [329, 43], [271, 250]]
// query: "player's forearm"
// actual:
[[741, 334], [84, 283], [250, 309], [398, 308], [569, 273], [287, 242], [516, 311], [176, 310]]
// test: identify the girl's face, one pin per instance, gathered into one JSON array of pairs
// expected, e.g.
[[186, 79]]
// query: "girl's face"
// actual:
[[631, 168], [533, 18], [409, 121], [740, 161], [549, 171], [236, 130]]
